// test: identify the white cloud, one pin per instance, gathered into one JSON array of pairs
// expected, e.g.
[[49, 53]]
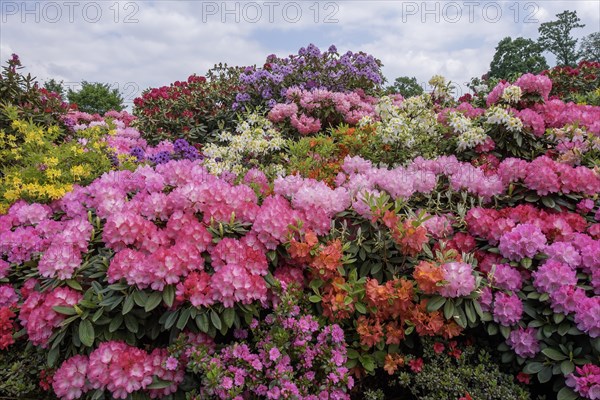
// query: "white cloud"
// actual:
[[173, 39]]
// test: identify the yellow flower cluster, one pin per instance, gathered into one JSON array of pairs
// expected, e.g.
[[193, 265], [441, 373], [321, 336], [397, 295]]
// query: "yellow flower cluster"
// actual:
[[36, 166]]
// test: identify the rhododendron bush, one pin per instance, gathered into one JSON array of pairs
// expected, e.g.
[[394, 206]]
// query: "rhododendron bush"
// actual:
[[322, 248]]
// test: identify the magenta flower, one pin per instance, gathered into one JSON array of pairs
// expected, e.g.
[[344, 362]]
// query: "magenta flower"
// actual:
[[524, 342], [508, 309]]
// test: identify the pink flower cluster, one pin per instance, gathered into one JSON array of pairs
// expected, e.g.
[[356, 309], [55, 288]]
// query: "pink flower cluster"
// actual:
[[508, 309], [586, 381], [545, 176], [459, 279], [310, 365], [318, 202], [524, 240], [557, 114], [38, 316], [536, 84], [305, 109], [508, 278], [524, 342], [118, 368]]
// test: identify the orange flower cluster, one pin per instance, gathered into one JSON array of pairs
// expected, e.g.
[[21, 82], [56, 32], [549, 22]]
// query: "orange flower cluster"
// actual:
[[408, 235], [334, 300], [393, 362], [329, 258], [428, 276], [432, 323], [324, 262], [392, 300]]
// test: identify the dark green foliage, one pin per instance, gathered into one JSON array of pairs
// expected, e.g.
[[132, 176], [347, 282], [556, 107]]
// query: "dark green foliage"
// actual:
[[555, 37], [19, 372], [54, 86], [406, 86], [23, 92], [589, 48], [517, 57], [446, 378], [96, 98]]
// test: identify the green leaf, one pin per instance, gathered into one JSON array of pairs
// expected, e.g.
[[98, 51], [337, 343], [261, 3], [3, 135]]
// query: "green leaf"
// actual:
[[545, 374], [65, 310], [74, 284], [183, 318], [554, 354], [435, 303], [505, 331], [448, 309], [202, 322], [532, 198], [566, 367], [360, 307], [86, 333], [115, 323], [153, 301], [159, 384], [53, 356], [352, 354], [171, 319], [168, 295], [140, 298], [131, 323], [470, 311], [228, 317], [214, 318], [526, 263], [548, 202], [127, 305], [533, 368], [314, 299], [492, 329], [566, 393]]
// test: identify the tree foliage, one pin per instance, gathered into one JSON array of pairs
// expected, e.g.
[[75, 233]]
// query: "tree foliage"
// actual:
[[55, 86], [406, 86], [590, 47], [555, 37], [96, 98], [517, 57]]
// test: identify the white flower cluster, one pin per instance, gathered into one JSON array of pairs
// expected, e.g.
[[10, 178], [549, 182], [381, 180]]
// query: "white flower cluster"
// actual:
[[481, 88], [469, 135], [441, 88], [499, 116], [255, 137], [411, 122], [512, 94]]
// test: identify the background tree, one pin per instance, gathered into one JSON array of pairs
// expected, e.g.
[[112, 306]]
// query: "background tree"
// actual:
[[54, 86], [589, 48], [406, 86], [517, 57], [96, 98], [555, 37]]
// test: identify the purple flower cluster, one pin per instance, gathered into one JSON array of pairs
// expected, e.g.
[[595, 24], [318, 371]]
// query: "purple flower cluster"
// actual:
[[181, 150], [310, 69], [524, 342], [286, 355]]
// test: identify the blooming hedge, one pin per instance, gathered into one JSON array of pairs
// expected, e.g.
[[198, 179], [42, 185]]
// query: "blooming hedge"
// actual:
[[321, 249]]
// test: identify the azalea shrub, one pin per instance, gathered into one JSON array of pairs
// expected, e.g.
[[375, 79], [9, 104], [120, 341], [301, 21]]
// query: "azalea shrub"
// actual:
[[569, 83], [35, 168], [193, 109], [309, 69], [451, 370], [23, 93], [277, 261]]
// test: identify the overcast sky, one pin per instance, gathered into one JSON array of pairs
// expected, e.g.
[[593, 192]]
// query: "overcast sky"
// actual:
[[140, 44]]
